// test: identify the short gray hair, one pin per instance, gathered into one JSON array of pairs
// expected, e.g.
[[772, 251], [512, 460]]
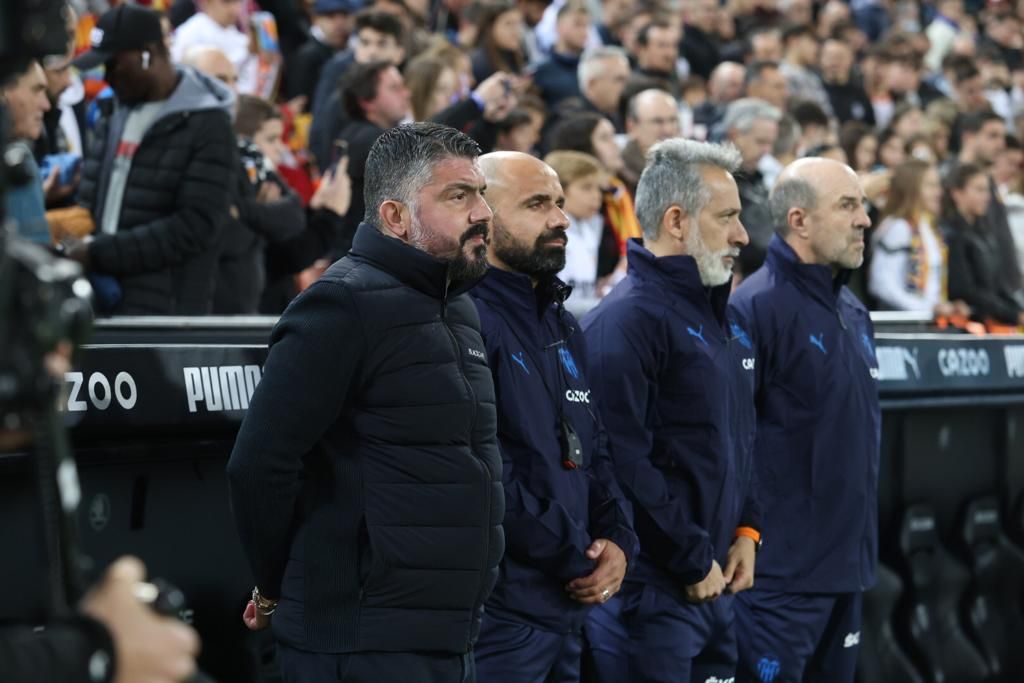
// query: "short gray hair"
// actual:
[[742, 114], [591, 59], [674, 177], [790, 193], [789, 136]]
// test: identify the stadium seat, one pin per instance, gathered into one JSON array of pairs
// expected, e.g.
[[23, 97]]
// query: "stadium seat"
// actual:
[[881, 660], [993, 613], [929, 616]]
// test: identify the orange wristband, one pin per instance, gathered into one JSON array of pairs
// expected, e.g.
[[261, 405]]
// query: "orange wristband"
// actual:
[[750, 532]]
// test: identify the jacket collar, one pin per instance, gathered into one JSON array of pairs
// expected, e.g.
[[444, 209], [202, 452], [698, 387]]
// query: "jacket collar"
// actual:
[[511, 290], [565, 59], [816, 280], [413, 267], [677, 275]]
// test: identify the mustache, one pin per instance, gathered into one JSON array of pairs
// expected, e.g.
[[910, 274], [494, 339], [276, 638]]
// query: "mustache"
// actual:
[[553, 234], [481, 229]]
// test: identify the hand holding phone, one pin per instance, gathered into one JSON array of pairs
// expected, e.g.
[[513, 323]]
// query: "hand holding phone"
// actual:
[[335, 191], [339, 151]]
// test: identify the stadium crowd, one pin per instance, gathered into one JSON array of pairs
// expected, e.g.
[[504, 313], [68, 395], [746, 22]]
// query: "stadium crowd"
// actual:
[[925, 101]]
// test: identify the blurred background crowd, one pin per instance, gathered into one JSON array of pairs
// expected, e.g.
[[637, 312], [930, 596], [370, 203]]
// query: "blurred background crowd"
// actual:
[[218, 167]]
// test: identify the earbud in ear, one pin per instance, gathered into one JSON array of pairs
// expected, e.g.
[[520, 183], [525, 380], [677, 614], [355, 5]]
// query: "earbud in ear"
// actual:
[[145, 59]]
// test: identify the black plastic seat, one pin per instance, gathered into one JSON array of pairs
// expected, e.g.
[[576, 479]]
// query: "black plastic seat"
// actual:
[[880, 658], [929, 616], [992, 612]]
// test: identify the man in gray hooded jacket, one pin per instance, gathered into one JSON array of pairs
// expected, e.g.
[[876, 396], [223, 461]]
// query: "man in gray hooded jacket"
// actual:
[[157, 179]]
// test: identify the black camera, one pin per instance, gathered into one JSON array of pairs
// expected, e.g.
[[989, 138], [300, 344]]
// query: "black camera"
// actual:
[[44, 300]]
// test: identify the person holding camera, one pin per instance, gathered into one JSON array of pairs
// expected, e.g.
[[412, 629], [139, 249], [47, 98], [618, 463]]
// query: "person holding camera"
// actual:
[[110, 636]]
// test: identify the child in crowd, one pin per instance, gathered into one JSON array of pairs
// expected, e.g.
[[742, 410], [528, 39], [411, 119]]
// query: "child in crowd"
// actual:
[[582, 177]]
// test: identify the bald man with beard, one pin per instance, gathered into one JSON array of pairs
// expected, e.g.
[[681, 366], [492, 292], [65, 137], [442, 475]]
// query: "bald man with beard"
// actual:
[[568, 534]]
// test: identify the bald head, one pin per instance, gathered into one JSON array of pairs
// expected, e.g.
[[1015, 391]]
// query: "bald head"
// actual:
[[818, 207], [726, 82], [212, 62], [653, 116], [816, 170], [528, 230], [504, 170]]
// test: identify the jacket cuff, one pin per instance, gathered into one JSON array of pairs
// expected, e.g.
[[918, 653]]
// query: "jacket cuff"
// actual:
[[695, 566], [100, 656], [626, 540]]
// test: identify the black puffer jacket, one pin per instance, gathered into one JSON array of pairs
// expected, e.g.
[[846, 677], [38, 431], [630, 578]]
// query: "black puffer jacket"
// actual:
[[176, 199], [366, 478]]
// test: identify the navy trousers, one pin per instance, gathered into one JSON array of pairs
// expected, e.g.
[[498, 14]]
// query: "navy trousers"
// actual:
[[299, 666], [645, 635], [509, 651], [796, 637]]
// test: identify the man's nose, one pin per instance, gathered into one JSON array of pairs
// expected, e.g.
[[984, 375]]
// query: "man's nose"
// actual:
[[480, 212]]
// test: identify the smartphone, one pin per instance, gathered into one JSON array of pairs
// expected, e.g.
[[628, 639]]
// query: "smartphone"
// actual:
[[67, 163], [339, 150]]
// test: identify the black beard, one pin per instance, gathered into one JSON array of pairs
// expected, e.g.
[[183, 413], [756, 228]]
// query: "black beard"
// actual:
[[540, 261], [465, 268]]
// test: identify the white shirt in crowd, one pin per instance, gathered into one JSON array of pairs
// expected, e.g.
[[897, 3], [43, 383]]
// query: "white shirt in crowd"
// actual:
[[200, 29], [889, 276], [581, 255]]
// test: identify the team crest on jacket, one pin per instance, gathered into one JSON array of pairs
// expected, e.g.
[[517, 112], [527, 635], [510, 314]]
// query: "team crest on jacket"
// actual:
[[768, 669], [568, 362]]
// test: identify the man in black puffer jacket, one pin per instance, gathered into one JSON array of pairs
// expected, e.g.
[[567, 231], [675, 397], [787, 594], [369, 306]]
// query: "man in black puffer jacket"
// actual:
[[366, 478], [157, 179]]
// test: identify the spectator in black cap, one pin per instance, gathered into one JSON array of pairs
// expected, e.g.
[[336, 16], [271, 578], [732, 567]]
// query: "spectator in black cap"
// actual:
[[156, 181], [333, 22]]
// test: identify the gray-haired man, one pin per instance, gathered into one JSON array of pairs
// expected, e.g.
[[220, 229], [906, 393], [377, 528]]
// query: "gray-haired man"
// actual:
[[753, 125], [366, 479], [676, 380]]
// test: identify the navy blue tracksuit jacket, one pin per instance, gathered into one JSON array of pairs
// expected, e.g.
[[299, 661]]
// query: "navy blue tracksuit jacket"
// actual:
[[818, 425], [675, 380], [552, 513]]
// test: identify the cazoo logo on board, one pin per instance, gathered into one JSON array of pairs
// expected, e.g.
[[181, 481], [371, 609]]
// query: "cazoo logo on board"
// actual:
[[99, 392], [964, 362]]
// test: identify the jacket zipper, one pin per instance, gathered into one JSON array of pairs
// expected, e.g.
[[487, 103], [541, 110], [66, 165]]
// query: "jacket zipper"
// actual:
[[485, 470], [867, 472]]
